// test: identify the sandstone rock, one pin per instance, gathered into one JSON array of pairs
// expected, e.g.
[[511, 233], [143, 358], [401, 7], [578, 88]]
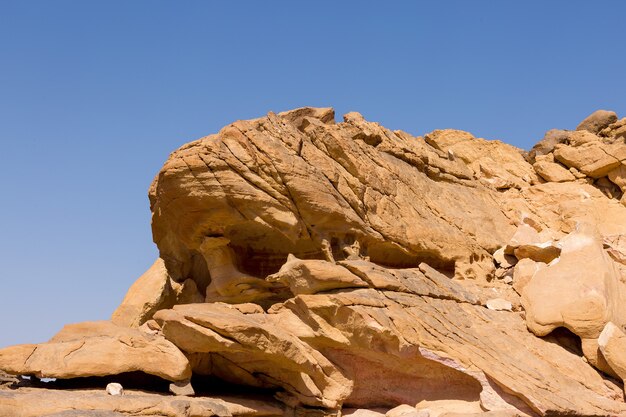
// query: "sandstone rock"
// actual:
[[546, 145], [499, 304], [114, 389], [550, 171], [588, 284], [618, 177], [312, 276], [6, 379], [405, 410], [266, 188], [592, 158], [361, 412], [612, 344], [615, 131], [503, 260], [580, 137], [338, 325], [343, 266], [524, 271], [37, 402], [510, 170], [151, 292], [528, 242], [446, 407], [597, 121], [97, 349], [183, 388], [544, 252]]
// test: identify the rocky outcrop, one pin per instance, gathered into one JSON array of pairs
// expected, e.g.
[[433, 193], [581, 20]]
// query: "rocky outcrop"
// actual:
[[344, 268], [97, 349]]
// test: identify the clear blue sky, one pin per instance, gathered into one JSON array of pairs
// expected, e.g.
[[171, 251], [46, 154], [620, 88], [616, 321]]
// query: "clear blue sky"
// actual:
[[94, 95]]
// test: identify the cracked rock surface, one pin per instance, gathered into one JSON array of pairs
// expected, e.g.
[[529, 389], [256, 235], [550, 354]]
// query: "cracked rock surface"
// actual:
[[309, 267]]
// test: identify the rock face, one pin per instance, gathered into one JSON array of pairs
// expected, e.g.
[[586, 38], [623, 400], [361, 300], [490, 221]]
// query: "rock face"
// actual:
[[347, 268]]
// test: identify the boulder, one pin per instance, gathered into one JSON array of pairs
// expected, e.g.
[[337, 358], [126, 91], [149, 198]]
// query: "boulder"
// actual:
[[553, 172], [592, 158], [597, 121], [546, 145], [612, 344], [588, 284]]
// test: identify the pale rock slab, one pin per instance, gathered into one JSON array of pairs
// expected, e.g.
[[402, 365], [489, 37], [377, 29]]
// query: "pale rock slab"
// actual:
[[553, 172], [499, 304], [97, 349]]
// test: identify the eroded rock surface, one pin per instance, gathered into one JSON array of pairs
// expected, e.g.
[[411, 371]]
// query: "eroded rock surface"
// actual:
[[347, 268]]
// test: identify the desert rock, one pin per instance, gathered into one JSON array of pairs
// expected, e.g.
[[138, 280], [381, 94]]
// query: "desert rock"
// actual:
[[327, 268], [597, 121], [97, 349]]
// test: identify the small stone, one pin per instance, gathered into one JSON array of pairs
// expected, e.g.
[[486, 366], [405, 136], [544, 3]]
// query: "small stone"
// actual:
[[182, 388], [499, 304], [115, 389], [597, 121]]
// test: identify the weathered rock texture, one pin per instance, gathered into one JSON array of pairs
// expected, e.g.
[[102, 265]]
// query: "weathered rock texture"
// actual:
[[346, 266]]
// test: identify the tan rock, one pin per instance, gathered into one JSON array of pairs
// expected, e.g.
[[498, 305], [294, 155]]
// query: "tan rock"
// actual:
[[551, 171], [392, 325], [612, 344], [597, 121], [580, 137], [561, 206], [361, 412], [388, 297], [544, 252], [151, 292], [405, 410], [313, 276], [499, 304], [591, 158], [503, 260], [440, 408], [524, 271], [510, 170], [546, 145], [268, 188], [281, 359], [97, 349], [37, 402], [618, 177], [528, 242], [588, 284], [182, 388]]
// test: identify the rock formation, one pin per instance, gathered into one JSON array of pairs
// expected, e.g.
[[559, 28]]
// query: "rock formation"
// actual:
[[309, 267]]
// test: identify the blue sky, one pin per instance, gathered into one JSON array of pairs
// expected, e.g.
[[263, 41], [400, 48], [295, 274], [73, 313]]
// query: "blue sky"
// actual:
[[94, 96]]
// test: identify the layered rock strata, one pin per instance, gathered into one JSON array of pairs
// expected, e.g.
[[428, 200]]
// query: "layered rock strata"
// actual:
[[342, 266]]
